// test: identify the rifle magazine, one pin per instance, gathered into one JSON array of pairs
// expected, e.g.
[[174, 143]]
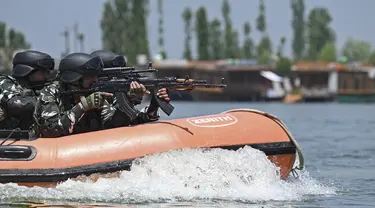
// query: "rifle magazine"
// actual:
[[125, 106]]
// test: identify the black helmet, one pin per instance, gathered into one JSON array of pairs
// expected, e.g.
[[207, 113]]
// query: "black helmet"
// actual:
[[110, 59], [27, 61], [75, 65]]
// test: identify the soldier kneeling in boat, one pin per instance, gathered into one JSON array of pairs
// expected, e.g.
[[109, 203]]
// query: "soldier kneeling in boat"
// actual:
[[19, 92], [135, 95], [60, 115]]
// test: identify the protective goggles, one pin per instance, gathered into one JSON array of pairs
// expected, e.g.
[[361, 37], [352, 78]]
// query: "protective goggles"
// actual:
[[118, 61], [45, 63]]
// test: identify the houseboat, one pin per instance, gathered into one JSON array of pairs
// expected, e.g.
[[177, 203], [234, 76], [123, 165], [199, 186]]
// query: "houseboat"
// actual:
[[325, 81], [356, 83], [313, 81]]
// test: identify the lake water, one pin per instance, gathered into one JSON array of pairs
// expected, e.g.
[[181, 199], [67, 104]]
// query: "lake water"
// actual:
[[338, 142]]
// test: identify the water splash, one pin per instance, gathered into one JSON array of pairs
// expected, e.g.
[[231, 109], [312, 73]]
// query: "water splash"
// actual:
[[245, 175]]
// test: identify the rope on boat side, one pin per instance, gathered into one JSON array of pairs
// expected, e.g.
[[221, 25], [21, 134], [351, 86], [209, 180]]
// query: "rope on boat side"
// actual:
[[300, 165]]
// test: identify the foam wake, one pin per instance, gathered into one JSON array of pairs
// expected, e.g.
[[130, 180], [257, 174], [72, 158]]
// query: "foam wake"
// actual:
[[183, 175]]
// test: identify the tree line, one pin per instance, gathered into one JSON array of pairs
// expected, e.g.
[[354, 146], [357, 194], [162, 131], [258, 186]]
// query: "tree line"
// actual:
[[125, 31]]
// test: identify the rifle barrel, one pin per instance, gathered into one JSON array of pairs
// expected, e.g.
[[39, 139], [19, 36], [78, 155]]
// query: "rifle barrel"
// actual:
[[119, 68]]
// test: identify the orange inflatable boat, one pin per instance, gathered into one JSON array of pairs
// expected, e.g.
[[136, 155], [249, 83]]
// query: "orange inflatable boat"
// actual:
[[48, 161]]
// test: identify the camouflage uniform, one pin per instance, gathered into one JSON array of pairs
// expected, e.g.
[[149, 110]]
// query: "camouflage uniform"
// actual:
[[54, 115], [16, 104]]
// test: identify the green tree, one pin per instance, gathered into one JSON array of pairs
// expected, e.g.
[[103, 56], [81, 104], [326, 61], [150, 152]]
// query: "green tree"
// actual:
[[371, 59], [283, 66], [10, 41], [124, 28], [116, 27], [298, 25], [264, 49], [356, 50], [161, 30], [328, 53], [3, 32], [228, 34], [202, 33], [139, 19], [187, 16], [216, 45], [16, 40], [235, 46], [319, 31], [264, 57], [248, 46], [261, 19]]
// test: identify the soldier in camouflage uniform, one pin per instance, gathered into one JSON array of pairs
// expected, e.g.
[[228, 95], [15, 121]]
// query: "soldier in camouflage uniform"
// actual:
[[18, 93], [147, 114], [58, 115]]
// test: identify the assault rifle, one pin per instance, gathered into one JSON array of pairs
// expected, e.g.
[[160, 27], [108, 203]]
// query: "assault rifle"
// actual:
[[170, 83], [125, 73]]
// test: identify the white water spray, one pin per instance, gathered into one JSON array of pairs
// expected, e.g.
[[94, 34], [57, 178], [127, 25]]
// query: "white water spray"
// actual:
[[183, 175]]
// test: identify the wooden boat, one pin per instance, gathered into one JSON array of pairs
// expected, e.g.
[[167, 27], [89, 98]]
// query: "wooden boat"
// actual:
[[48, 161]]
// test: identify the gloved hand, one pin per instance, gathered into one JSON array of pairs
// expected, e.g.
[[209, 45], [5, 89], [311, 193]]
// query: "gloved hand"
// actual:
[[154, 106], [136, 92], [163, 94], [94, 101]]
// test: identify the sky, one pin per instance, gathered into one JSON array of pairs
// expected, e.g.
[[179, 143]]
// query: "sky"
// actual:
[[42, 21]]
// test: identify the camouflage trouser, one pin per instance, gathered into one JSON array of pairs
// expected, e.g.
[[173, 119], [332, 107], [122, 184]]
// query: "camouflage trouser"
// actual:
[[2, 114], [3, 121]]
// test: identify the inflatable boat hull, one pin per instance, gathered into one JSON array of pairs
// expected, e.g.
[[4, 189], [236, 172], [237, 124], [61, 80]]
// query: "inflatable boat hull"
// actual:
[[48, 161]]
